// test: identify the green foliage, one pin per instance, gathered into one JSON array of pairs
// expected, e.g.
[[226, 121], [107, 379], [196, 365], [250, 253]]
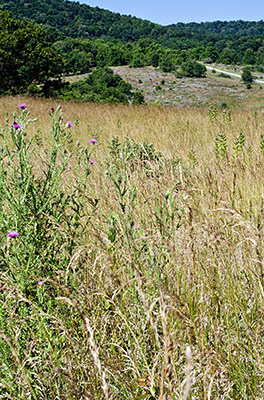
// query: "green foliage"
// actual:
[[261, 143], [155, 60], [166, 63], [25, 56], [222, 75], [102, 86], [249, 57], [240, 151], [212, 52], [193, 69], [220, 41], [212, 112], [221, 146], [45, 217], [38, 202], [246, 75], [239, 144]]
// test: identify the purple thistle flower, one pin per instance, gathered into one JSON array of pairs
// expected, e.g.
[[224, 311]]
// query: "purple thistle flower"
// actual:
[[13, 234], [61, 118], [16, 125], [174, 195], [52, 109], [22, 106], [40, 283], [91, 161], [69, 124], [93, 141]]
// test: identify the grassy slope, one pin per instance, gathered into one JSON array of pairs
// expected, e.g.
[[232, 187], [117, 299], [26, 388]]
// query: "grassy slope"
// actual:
[[174, 260]]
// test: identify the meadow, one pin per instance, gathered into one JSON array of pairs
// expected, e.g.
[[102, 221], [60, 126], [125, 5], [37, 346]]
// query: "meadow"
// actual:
[[131, 259]]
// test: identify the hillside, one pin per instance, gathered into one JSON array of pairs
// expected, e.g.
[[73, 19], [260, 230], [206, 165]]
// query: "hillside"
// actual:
[[80, 20]]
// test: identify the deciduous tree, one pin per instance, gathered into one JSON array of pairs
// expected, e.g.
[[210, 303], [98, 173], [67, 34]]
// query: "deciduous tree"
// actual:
[[26, 58]]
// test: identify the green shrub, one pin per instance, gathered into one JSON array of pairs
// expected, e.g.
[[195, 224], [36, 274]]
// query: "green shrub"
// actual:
[[102, 86], [193, 69], [247, 76]]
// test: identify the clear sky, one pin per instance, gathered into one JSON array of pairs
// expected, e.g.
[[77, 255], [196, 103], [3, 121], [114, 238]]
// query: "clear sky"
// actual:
[[167, 12]]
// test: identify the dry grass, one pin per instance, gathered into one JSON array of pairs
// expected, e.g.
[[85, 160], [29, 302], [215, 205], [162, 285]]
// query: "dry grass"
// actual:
[[162, 297]]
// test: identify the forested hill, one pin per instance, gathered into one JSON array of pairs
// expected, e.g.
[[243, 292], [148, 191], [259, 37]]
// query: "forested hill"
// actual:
[[76, 20], [80, 20]]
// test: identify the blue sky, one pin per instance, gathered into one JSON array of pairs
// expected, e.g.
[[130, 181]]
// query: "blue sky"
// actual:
[[167, 12]]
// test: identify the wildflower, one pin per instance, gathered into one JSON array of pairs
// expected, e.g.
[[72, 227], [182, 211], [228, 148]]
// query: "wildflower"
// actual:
[[40, 283], [69, 124], [22, 106], [91, 161], [52, 109], [174, 195], [93, 141], [16, 125], [61, 118], [13, 234]]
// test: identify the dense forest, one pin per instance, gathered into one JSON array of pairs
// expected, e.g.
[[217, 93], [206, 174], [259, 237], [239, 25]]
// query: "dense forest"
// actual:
[[220, 41]]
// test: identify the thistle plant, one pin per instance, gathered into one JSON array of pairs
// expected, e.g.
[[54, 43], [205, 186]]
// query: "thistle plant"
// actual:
[[34, 201]]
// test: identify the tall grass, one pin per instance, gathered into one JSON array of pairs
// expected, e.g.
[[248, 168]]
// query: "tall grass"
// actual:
[[138, 269]]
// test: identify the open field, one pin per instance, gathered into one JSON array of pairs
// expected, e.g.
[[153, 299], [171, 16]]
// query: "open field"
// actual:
[[214, 89], [138, 269], [160, 88]]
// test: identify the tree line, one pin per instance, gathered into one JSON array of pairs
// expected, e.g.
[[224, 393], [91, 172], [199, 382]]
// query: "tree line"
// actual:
[[233, 42], [84, 55]]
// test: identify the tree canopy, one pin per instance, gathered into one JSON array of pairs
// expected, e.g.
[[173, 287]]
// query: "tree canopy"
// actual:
[[26, 58], [219, 41]]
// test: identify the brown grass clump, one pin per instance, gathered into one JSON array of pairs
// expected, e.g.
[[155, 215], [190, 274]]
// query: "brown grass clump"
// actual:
[[158, 293]]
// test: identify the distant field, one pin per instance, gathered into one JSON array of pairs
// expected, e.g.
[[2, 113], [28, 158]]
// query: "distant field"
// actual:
[[160, 88], [214, 89]]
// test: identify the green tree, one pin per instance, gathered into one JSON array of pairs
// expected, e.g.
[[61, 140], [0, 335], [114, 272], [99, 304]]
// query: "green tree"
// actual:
[[155, 60], [246, 75], [26, 57], [138, 59], [193, 69], [211, 52], [166, 63], [249, 57], [228, 56]]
